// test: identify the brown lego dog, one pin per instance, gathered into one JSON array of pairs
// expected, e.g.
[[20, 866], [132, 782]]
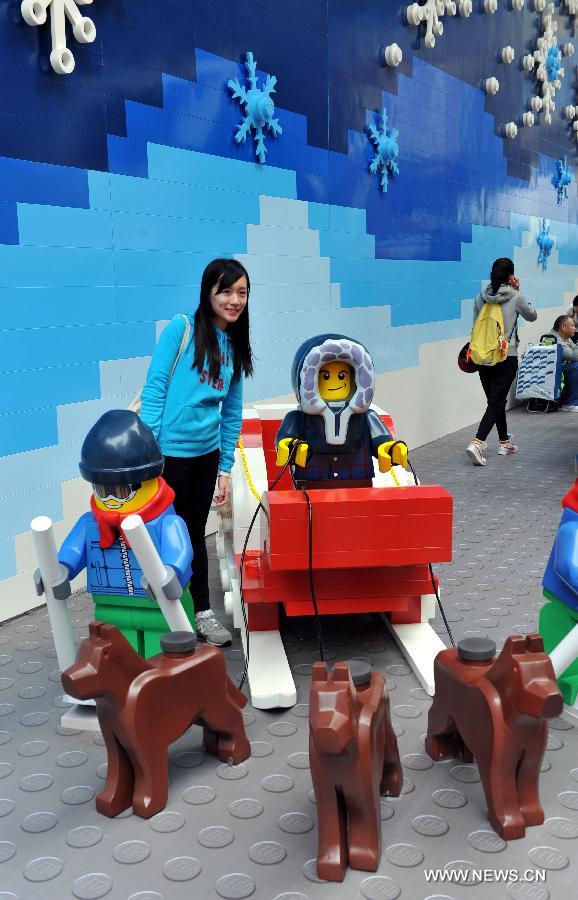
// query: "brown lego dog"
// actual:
[[145, 704], [496, 710], [354, 758]]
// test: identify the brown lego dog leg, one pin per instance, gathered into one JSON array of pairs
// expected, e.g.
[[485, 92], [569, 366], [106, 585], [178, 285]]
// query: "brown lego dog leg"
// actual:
[[442, 740], [117, 793], [392, 774], [364, 820], [528, 778], [332, 829], [151, 783], [499, 782]]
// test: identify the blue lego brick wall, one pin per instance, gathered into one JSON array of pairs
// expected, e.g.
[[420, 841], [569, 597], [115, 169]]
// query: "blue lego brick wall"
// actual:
[[120, 182]]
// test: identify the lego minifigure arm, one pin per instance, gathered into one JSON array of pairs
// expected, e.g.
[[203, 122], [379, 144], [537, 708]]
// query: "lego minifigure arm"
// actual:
[[176, 550], [566, 554], [231, 421], [72, 553], [387, 451], [159, 374], [288, 432]]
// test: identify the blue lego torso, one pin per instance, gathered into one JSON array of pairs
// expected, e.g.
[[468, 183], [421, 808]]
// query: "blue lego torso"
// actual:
[[561, 575], [115, 570]]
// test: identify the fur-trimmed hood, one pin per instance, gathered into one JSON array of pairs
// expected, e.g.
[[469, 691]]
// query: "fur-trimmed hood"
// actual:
[[310, 357]]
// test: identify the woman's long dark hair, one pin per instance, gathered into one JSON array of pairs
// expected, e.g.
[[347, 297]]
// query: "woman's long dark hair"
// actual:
[[223, 272], [502, 269]]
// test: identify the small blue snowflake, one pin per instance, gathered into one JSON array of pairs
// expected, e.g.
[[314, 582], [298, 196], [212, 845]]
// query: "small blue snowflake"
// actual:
[[386, 150], [259, 107], [545, 243], [552, 63], [561, 179]]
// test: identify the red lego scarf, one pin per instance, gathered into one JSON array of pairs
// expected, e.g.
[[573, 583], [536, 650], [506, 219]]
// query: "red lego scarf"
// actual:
[[109, 520], [570, 499]]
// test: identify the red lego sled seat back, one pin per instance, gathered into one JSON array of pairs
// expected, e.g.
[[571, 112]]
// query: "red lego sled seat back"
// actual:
[[268, 430], [359, 527]]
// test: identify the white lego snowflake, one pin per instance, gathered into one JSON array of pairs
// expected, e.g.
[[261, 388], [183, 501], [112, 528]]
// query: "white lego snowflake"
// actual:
[[431, 12], [572, 7], [547, 57], [35, 12]]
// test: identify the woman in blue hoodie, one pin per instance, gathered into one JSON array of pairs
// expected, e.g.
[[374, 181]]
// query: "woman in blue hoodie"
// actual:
[[504, 289], [195, 414]]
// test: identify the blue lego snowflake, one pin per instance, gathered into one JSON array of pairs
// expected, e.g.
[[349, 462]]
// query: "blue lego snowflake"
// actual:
[[258, 107], [561, 179], [386, 150], [552, 63], [545, 243]]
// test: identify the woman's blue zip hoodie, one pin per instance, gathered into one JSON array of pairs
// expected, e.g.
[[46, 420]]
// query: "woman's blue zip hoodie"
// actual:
[[189, 414]]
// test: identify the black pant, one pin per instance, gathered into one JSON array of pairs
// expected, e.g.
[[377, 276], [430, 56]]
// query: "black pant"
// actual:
[[193, 481], [496, 382]]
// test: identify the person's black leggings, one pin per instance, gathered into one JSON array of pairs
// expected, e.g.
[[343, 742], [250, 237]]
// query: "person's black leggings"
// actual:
[[496, 381], [193, 481]]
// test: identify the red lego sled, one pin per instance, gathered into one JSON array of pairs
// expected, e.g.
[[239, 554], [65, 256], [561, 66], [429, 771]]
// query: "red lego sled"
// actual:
[[371, 550]]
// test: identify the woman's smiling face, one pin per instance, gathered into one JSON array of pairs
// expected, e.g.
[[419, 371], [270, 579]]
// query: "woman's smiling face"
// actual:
[[228, 303]]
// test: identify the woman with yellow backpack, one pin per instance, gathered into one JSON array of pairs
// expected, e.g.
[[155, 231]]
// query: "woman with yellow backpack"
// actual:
[[494, 349]]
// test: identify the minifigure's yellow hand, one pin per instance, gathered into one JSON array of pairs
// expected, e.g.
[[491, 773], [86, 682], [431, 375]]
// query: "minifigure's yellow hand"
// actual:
[[284, 448], [392, 453]]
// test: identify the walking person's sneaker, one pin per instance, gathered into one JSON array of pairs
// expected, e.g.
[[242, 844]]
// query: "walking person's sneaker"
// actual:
[[209, 629], [475, 451], [507, 448]]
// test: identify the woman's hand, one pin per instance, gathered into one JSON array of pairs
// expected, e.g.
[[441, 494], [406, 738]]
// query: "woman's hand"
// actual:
[[514, 282], [224, 489]]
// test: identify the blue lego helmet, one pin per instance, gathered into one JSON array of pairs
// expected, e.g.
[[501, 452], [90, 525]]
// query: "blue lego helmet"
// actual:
[[120, 449]]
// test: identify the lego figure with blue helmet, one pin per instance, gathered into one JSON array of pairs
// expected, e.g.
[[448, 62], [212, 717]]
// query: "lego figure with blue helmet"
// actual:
[[334, 380], [124, 463], [560, 586]]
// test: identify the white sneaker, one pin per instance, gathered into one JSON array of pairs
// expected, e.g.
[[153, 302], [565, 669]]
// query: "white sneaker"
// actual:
[[209, 629], [507, 449], [569, 408], [475, 451]]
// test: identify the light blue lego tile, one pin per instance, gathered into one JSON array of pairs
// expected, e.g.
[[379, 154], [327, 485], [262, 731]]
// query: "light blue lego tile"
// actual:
[[169, 198], [40, 307], [191, 167], [282, 297], [16, 513], [272, 270], [275, 239], [340, 243], [123, 376], [76, 419], [142, 232], [345, 218], [27, 430], [277, 210], [153, 302], [49, 346], [59, 226], [7, 558], [35, 469], [99, 190], [55, 266], [34, 389], [319, 216], [159, 267]]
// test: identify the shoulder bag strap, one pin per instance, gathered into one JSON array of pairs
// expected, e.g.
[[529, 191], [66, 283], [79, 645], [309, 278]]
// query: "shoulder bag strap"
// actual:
[[184, 343]]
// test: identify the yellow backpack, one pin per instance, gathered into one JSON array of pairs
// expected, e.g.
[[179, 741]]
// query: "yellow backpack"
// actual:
[[488, 344]]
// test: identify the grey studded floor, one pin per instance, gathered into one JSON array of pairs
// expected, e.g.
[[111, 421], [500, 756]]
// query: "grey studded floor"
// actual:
[[250, 830]]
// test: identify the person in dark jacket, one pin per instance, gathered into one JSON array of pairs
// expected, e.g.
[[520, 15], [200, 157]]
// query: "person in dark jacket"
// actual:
[[504, 288]]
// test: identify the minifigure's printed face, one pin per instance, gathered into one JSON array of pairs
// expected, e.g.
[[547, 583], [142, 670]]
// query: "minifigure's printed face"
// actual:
[[228, 303], [127, 497], [335, 381]]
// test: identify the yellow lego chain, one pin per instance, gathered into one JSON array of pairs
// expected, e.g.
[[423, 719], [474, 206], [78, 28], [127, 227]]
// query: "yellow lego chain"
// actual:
[[245, 464]]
